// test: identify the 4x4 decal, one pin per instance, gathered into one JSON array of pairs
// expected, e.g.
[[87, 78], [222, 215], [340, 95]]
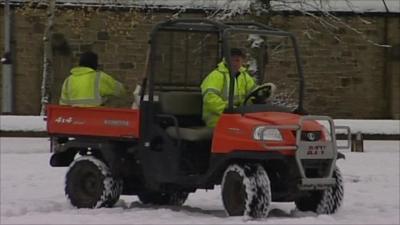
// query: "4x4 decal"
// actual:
[[62, 119]]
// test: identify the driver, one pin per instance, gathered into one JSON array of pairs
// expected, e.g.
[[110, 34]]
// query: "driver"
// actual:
[[215, 87]]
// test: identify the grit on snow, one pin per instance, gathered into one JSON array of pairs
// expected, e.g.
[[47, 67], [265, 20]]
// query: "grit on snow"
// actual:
[[32, 193]]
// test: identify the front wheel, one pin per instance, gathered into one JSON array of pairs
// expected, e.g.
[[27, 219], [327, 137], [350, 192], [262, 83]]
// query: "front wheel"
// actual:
[[246, 191], [324, 202], [89, 184]]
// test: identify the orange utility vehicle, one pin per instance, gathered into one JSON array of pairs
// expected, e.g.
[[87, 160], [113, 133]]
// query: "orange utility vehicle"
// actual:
[[162, 151]]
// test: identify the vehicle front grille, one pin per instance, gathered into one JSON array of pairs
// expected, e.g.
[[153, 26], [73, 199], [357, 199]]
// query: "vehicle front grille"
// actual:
[[316, 168]]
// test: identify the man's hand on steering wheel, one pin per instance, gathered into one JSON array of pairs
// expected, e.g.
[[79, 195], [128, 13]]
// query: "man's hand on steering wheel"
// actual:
[[261, 93]]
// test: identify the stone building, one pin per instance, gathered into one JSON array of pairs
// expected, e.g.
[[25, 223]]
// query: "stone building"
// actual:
[[348, 77]]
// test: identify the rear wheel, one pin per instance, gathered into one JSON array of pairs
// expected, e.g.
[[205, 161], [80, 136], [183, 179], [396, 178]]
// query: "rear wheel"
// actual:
[[324, 202], [246, 191], [159, 198], [89, 184]]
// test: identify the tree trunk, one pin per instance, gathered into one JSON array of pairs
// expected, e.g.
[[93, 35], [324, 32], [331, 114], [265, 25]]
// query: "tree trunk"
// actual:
[[47, 58], [260, 12]]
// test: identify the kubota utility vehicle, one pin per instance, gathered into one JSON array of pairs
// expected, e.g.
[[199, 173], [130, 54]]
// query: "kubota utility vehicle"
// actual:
[[162, 151]]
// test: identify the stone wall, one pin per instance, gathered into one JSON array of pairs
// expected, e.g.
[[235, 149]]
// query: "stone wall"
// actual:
[[347, 77], [350, 78]]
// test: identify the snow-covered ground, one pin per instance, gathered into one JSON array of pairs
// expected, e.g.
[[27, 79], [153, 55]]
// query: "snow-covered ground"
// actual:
[[32, 193]]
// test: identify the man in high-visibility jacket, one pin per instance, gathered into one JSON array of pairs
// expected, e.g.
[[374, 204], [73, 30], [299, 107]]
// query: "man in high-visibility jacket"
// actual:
[[87, 86], [215, 87]]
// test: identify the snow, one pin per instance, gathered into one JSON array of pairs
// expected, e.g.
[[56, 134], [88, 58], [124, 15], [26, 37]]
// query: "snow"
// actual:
[[359, 6], [164, 4], [38, 123], [371, 126], [32, 193], [22, 123], [244, 5]]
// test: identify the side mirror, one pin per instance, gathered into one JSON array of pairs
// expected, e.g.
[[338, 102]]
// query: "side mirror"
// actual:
[[6, 59]]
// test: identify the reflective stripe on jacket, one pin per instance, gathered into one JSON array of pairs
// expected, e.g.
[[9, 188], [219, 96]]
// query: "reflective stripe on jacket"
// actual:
[[86, 87], [215, 90]]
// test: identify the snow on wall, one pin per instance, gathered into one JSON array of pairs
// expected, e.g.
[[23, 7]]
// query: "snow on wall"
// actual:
[[243, 5], [358, 6], [37, 123], [22, 123], [165, 4]]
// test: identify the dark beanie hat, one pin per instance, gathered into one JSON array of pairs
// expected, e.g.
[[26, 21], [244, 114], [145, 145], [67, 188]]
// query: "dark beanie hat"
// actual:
[[237, 52], [88, 59]]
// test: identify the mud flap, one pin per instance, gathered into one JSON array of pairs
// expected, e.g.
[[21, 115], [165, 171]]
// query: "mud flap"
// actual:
[[61, 159], [340, 156]]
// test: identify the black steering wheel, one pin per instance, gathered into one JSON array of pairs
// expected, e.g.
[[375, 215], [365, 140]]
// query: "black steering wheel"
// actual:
[[259, 95]]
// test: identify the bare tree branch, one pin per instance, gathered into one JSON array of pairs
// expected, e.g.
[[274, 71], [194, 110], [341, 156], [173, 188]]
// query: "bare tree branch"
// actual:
[[321, 11]]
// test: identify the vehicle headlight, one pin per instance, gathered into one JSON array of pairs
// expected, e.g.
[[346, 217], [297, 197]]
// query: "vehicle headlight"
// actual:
[[263, 133]]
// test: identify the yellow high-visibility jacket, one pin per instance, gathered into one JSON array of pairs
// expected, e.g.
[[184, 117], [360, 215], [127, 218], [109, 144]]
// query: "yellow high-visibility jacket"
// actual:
[[215, 91], [86, 87]]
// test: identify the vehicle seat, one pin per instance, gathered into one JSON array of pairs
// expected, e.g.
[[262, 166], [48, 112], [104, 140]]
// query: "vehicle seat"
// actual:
[[185, 108]]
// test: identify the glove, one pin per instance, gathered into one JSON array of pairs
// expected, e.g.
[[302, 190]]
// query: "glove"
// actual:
[[263, 92], [266, 91], [271, 88]]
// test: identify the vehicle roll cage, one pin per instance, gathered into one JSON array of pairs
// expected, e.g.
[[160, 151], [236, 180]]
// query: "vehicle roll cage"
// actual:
[[223, 31]]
